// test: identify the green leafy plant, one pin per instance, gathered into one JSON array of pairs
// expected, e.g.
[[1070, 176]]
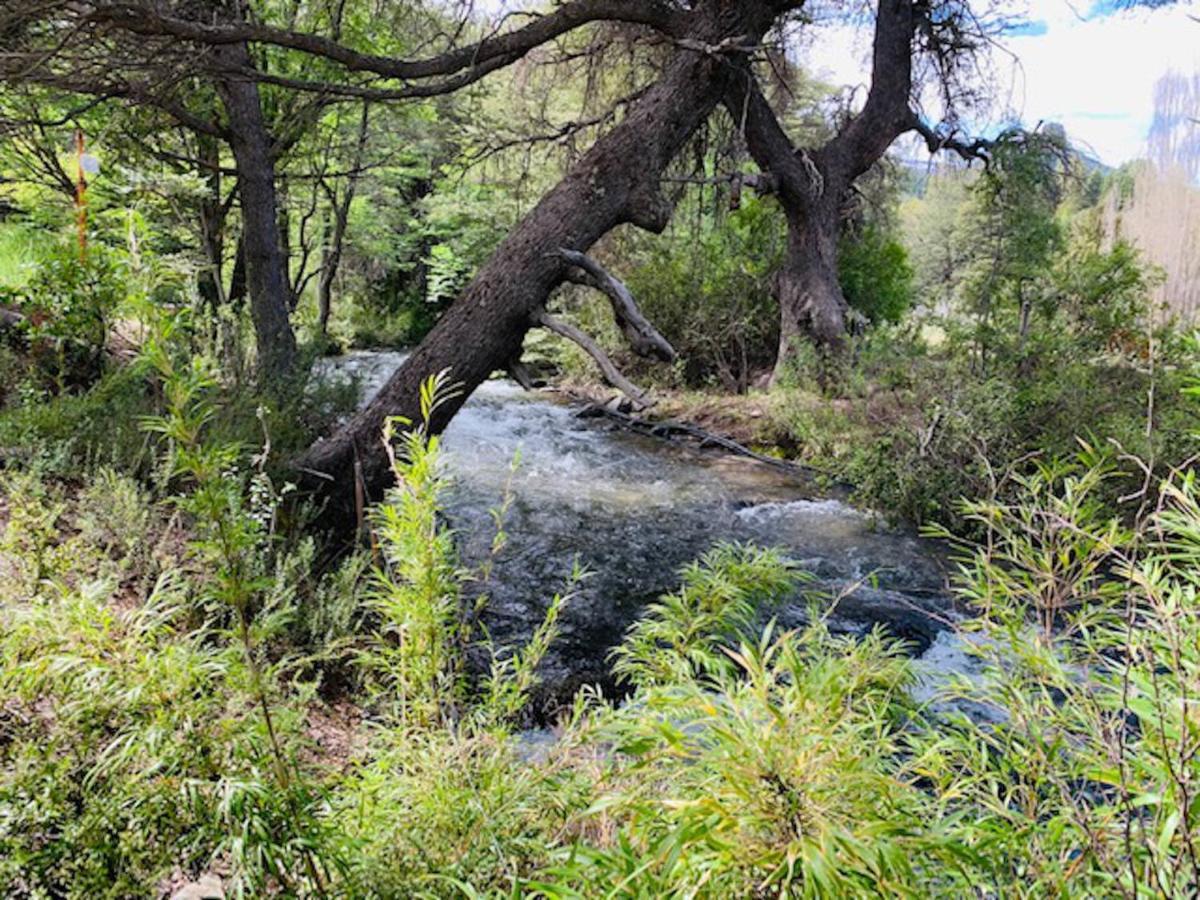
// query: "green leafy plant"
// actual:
[[234, 536], [875, 274]]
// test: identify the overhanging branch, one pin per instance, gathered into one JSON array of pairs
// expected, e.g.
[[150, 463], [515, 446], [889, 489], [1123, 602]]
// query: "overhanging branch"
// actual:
[[973, 151], [612, 375], [143, 19], [645, 340]]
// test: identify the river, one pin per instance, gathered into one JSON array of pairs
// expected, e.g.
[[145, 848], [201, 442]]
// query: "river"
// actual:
[[633, 509]]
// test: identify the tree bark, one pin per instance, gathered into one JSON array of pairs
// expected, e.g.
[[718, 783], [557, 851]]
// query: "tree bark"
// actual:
[[339, 208], [812, 306], [212, 224], [265, 265], [612, 375], [645, 340], [616, 182], [812, 186], [237, 279]]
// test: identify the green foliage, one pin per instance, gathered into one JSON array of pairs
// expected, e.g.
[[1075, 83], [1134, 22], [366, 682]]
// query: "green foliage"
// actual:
[[776, 772], [419, 591], [18, 254], [75, 432], [139, 741], [875, 275], [427, 621], [1017, 237], [234, 522], [709, 293], [68, 304], [685, 632], [128, 748], [935, 229], [1104, 295], [957, 436], [183, 692], [1088, 634], [1037, 330]]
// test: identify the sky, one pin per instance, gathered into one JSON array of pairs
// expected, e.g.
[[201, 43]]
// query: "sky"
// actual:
[[1085, 64], [1076, 62]]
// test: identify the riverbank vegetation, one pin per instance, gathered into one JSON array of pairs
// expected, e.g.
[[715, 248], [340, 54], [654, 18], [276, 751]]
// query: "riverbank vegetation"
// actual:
[[245, 653], [185, 704]]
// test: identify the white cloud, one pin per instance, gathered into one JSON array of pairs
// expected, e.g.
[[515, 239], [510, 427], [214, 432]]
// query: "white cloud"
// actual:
[[1094, 75]]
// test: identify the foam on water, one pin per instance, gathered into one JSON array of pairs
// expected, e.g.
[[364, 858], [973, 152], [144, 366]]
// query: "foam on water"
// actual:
[[813, 509]]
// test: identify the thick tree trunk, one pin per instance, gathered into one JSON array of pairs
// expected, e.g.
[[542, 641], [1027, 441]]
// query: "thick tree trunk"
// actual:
[[265, 272], [616, 182], [811, 185], [811, 303]]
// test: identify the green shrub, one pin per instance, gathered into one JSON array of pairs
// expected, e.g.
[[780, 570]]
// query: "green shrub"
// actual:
[[710, 294], [875, 275], [770, 768], [1081, 784]]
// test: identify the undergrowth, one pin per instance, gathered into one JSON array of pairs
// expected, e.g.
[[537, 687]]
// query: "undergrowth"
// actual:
[[168, 707]]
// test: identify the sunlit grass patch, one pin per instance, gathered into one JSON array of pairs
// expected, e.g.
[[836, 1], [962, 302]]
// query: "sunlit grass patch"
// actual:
[[18, 254]]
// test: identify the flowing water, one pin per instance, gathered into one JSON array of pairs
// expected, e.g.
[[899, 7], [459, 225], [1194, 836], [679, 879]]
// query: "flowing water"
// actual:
[[633, 509]]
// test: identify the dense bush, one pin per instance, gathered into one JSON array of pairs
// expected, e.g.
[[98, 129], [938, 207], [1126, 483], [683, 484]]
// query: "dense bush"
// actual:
[[709, 292], [875, 275], [68, 304]]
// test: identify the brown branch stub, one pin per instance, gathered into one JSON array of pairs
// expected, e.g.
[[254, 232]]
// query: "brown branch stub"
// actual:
[[645, 340], [519, 372], [612, 375]]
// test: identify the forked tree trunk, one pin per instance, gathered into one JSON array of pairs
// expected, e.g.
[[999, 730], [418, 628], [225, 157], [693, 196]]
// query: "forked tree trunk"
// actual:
[[616, 182], [811, 185], [265, 265]]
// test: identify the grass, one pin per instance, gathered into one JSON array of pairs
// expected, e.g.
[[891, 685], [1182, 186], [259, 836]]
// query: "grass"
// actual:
[[18, 254]]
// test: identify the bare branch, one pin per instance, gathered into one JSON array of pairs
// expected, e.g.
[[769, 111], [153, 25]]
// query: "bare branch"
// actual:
[[645, 340], [136, 94], [973, 151], [141, 19], [415, 91], [612, 375]]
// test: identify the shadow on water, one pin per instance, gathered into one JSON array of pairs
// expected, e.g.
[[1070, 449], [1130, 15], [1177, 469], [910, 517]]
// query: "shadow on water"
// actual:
[[633, 510]]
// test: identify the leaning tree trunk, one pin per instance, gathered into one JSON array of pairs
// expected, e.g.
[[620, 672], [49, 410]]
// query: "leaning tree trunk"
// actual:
[[265, 265], [616, 182]]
